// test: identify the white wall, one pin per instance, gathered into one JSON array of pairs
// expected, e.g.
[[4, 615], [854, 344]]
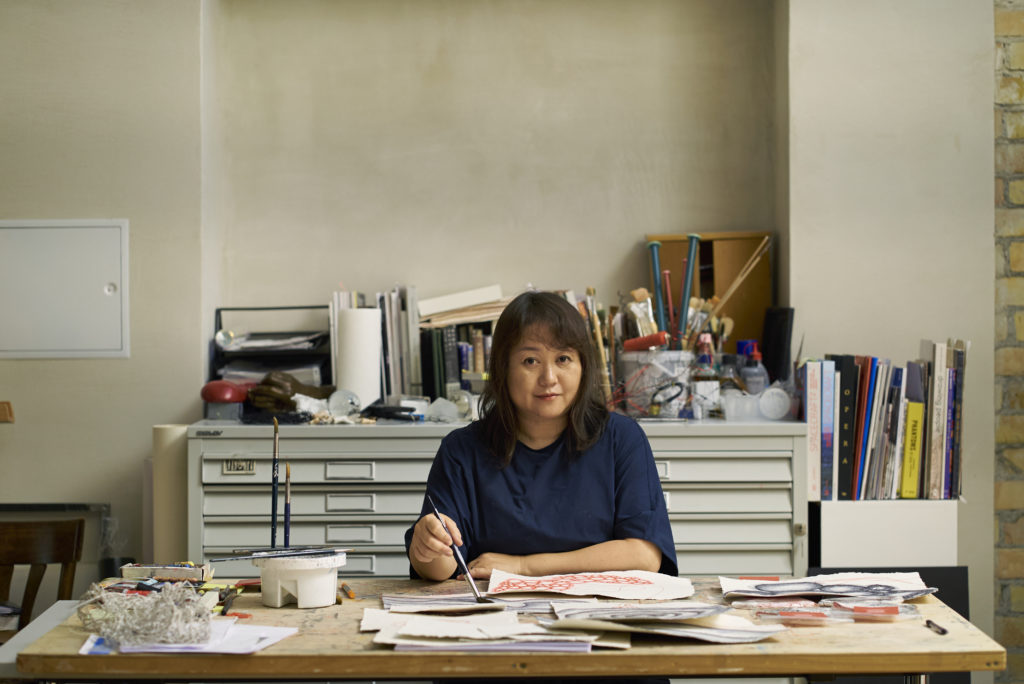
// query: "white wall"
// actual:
[[891, 211], [100, 119]]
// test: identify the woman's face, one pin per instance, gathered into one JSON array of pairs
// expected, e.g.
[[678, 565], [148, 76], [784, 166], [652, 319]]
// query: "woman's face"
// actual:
[[543, 380]]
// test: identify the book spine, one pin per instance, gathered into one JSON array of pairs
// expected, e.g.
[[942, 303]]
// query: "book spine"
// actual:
[[812, 404], [897, 442], [947, 482], [451, 359], [828, 385], [960, 364], [912, 451], [937, 421], [846, 429], [863, 373], [864, 447]]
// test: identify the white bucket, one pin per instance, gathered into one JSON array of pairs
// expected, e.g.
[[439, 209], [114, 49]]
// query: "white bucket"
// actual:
[[309, 581]]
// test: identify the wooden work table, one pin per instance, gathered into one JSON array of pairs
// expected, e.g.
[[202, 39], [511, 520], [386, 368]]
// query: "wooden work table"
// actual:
[[329, 646]]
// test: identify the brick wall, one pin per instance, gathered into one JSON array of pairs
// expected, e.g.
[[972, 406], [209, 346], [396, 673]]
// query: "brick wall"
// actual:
[[1009, 334]]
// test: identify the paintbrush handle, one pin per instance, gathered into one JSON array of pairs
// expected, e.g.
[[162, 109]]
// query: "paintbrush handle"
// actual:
[[595, 323], [458, 554], [659, 305], [273, 490], [684, 302]]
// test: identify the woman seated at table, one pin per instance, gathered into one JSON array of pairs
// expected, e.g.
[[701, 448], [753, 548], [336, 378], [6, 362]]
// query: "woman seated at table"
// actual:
[[548, 481]]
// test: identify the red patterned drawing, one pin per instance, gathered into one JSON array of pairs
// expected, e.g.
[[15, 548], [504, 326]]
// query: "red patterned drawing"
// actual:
[[623, 584], [563, 583]]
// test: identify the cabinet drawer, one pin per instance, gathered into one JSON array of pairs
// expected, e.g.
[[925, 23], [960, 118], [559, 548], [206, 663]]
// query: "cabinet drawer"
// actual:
[[243, 533], [778, 499], [345, 499], [383, 563], [733, 531], [247, 470], [723, 468], [734, 562]]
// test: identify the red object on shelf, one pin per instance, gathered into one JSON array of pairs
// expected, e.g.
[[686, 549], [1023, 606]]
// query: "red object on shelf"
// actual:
[[658, 339]]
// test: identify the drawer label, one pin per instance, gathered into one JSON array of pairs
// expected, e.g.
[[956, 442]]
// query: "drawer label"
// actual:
[[238, 466]]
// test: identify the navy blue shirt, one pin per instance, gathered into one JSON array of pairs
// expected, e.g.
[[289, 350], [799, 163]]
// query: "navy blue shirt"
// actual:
[[546, 502]]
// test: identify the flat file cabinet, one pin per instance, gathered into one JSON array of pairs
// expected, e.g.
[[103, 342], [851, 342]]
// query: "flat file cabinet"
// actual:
[[736, 492]]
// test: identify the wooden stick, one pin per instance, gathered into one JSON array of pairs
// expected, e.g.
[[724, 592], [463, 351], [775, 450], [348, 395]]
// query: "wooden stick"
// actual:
[[761, 250], [606, 383]]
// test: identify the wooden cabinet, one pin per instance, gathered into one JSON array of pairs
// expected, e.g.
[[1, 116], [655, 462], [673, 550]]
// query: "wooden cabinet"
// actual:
[[735, 492]]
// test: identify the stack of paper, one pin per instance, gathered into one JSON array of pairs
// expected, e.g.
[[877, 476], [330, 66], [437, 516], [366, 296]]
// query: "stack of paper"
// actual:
[[579, 624], [878, 585]]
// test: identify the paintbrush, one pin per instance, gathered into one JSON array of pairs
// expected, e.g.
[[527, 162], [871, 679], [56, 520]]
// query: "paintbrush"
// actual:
[[480, 598], [287, 504], [595, 323], [273, 491]]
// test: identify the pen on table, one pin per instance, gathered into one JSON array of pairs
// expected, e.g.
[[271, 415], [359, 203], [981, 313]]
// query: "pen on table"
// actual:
[[938, 629], [287, 503], [273, 491]]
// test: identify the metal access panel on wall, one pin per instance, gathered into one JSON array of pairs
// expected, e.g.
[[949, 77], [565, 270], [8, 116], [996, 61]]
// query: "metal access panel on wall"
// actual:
[[64, 288]]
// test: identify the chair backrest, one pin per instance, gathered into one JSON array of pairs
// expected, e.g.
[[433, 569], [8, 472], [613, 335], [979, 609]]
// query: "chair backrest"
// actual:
[[36, 543]]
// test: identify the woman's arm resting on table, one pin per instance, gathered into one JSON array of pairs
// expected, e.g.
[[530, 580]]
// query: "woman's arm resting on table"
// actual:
[[430, 551], [618, 554]]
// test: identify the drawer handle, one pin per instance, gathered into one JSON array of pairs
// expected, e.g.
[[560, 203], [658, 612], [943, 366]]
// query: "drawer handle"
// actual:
[[349, 470], [352, 502], [350, 534], [663, 468], [359, 565]]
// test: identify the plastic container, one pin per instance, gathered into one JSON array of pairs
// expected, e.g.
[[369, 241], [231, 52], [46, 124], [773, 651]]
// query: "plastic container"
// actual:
[[754, 374], [644, 373], [311, 581]]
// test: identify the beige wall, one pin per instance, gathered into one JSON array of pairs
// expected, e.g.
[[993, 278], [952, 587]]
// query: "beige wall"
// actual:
[[453, 144], [100, 119], [891, 217]]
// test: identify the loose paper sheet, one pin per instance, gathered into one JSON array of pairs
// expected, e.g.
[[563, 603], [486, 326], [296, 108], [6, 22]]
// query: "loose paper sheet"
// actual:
[[467, 603], [667, 611], [622, 584], [879, 585], [720, 629], [225, 637]]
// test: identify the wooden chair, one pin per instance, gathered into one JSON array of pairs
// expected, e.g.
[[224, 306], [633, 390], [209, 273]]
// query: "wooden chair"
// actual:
[[37, 543]]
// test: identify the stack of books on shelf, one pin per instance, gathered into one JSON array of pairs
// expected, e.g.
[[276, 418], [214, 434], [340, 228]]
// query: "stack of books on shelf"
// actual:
[[876, 430], [455, 339]]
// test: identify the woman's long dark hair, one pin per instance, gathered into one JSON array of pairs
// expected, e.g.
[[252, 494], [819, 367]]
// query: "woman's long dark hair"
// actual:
[[553, 317]]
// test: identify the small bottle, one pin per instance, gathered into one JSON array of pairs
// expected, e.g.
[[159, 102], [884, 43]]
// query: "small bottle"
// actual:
[[729, 375], [704, 383], [754, 374]]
